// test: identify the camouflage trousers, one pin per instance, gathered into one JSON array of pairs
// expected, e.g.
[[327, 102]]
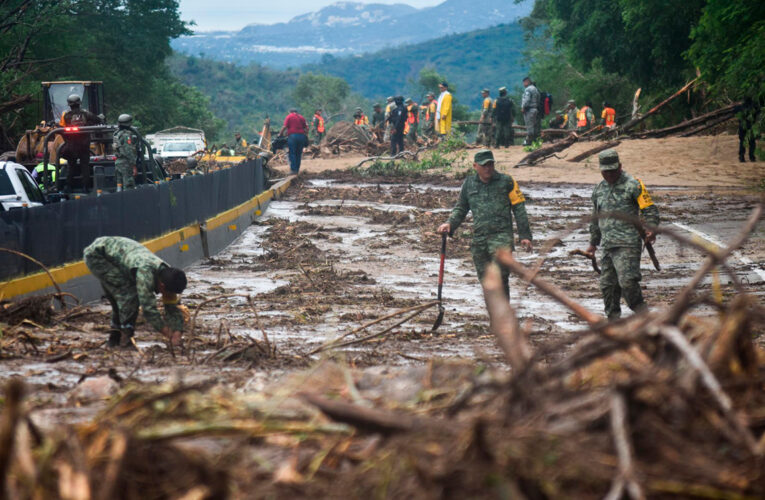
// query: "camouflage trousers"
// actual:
[[483, 249], [119, 288], [531, 119], [123, 175], [388, 132], [504, 135], [621, 278], [484, 134], [411, 137]]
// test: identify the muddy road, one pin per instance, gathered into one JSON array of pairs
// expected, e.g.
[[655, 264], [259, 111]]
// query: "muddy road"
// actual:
[[338, 251]]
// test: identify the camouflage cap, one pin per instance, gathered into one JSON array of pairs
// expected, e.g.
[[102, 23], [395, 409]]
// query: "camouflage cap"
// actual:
[[409, 100], [503, 89], [430, 94], [377, 105], [485, 90], [571, 101], [483, 156], [389, 99], [609, 160]]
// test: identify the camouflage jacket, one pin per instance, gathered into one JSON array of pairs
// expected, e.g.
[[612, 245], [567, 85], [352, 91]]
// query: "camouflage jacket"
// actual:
[[530, 99], [125, 146], [627, 196], [493, 205], [136, 261]]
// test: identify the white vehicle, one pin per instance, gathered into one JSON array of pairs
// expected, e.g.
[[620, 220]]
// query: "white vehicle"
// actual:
[[17, 187], [178, 142]]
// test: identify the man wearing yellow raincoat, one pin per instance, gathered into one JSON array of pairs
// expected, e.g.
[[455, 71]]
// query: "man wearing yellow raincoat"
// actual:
[[444, 110]]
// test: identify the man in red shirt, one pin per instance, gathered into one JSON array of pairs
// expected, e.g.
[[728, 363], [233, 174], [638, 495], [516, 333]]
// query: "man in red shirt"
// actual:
[[296, 128]]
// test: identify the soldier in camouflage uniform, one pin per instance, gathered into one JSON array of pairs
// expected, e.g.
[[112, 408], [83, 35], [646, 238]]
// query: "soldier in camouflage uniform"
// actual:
[[621, 241], [125, 150], [530, 104], [494, 199], [131, 276], [503, 117], [484, 128]]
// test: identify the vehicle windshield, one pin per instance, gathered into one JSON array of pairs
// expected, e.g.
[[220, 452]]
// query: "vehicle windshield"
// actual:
[[59, 92], [32, 190], [6, 187], [179, 146]]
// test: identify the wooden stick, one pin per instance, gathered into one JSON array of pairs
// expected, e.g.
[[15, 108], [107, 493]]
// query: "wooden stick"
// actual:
[[632, 123], [620, 430], [376, 335], [374, 322], [364, 418], [594, 150], [546, 151], [55, 284], [676, 338], [503, 322], [727, 111]]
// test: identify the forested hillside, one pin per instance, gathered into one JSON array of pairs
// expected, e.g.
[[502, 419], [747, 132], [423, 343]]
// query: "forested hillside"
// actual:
[[605, 50], [485, 58], [244, 95], [123, 43]]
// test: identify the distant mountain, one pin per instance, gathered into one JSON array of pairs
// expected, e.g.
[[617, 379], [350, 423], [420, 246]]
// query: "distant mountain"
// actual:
[[346, 28]]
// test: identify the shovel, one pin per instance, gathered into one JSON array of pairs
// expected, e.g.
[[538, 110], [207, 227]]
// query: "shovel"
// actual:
[[440, 317]]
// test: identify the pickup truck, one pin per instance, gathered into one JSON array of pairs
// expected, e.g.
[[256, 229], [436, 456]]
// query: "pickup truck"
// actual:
[[177, 143], [17, 187]]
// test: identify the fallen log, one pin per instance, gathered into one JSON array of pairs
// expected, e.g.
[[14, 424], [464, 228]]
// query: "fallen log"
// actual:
[[594, 150], [726, 112], [635, 121], [544, 152], [369, 419], [706, 126]]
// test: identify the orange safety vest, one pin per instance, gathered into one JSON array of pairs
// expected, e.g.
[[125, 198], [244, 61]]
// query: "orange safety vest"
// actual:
[[581, 116], [413, 116], [361, 120], [610, 115], [320, 126]]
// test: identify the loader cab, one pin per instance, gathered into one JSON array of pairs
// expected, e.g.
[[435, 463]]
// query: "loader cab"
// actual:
[[56, 93]]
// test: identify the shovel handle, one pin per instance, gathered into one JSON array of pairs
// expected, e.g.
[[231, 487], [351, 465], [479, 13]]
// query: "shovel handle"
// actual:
[[441, 267]]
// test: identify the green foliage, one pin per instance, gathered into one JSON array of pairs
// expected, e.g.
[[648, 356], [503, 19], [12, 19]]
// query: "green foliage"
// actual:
[[320, 91], [729, 47], [402, 168], [123, 43], [533, 146], [453, 142]]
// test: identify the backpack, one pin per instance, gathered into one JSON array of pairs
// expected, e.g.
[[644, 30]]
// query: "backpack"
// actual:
[[547, 102], [504, 109]]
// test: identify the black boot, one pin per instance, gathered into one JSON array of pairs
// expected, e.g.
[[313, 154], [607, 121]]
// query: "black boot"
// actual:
[[126, 339], [114, 337]]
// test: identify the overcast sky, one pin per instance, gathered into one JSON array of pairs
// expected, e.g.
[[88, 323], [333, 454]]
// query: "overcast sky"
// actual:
[[236, 14]]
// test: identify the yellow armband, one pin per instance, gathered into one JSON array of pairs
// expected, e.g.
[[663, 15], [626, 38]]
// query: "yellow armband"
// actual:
[[515, 194], [170, 299], [644, 199]]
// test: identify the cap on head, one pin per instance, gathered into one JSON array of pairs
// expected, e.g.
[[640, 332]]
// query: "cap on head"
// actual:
[[389, 99], [125, 119], [376, 105], [571, 101], [609, 160], [409, 100], [503, 90], [483, 156], [430, 94], [485, 91], [73, 100], [444, 85], [358, 109]]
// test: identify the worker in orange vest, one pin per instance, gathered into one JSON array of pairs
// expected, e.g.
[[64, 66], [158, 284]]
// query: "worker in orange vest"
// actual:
[[318, 125], [608, 116], [584, 117], [359, 118], [412, 121]]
